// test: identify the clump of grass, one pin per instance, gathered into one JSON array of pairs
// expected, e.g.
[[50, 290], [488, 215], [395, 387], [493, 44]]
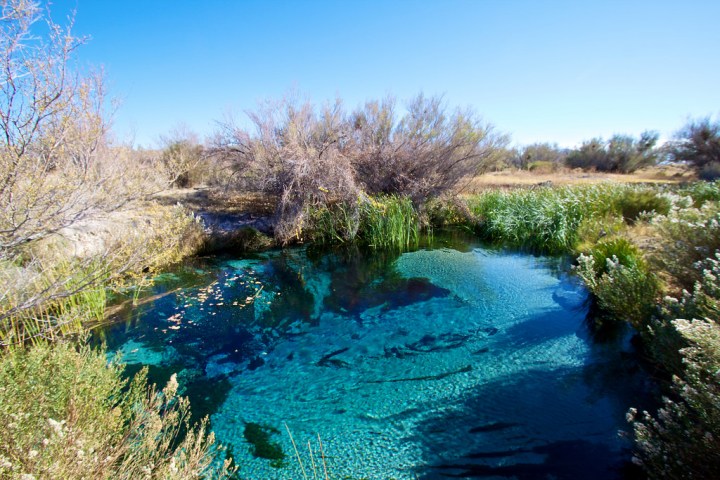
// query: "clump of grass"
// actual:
[[593, 229], [333, 223], [634, 202], [379, 222], [389, 221]]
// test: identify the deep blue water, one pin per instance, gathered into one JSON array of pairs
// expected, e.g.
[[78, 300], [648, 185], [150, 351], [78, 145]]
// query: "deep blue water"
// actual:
[[459, 361]]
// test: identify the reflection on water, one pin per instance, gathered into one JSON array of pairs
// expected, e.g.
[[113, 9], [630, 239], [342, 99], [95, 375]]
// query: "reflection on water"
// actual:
[[456, 361]]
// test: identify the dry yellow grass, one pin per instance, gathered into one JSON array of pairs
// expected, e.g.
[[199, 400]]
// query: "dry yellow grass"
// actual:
[[523, 178]]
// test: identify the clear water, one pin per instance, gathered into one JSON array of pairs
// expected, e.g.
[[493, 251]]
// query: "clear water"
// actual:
[[459, 361]]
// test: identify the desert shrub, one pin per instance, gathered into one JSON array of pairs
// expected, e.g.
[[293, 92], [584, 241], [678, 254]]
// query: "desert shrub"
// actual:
[[324, 160], [294, 154], [67, 413], [620, 281], [698, 142], [622, 153], [427, 152], [710, 172], [633, 202], [702, 192], [681, 440], [688, 237]]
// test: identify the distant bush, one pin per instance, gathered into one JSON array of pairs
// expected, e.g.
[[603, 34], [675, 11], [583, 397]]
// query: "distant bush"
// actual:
[[181, 158], [710, 172], [547, 155], [66, 413], [698, 142], [542, 167], [622, 153]]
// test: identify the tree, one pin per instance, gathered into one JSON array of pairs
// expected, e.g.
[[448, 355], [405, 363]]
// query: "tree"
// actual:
[[56, 171]]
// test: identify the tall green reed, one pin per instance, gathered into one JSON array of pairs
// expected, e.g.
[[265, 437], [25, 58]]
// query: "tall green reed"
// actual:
[[379, 222], [544, 219]]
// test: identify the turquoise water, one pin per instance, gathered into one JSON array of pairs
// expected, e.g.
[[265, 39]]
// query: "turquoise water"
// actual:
[[459, 361]]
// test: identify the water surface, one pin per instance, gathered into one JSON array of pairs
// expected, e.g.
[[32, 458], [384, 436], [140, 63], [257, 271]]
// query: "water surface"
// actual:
[[459, 361]]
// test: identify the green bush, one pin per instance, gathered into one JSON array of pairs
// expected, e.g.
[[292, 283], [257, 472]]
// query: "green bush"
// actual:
[[681, 440], [633, 202], [619, 279], [689, 236], [67, 413], [702, 192]]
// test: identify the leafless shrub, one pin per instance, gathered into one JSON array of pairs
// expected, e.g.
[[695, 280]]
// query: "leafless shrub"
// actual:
[[312, 157], [429, 151], [295, 154], [181, 157]]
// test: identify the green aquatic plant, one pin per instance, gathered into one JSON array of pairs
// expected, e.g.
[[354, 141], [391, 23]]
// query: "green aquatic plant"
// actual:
[[389, 221], [262, 446]]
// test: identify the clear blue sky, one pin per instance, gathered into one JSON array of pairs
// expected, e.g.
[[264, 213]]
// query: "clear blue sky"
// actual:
[[558, 71]]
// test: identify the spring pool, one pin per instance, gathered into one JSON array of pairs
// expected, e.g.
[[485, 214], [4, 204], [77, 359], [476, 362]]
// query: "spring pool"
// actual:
[[453, 361]]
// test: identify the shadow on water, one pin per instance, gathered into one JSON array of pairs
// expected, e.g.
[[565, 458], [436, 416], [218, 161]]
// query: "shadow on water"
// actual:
[[547, 422]]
